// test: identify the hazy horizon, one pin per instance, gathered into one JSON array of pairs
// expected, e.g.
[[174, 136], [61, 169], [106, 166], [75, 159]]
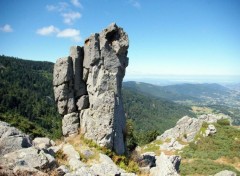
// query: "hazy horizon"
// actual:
[[179, 79]]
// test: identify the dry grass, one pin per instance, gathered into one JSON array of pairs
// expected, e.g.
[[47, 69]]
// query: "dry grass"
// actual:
[[201, 110], [234, 162], [80, 144]]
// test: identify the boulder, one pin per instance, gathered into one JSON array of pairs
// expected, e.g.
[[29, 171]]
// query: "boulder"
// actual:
[[70, 124], [172, 145], [62, 170], [226, 173], [73, 157], [42, 143], [185, 129], [70, 152], [105, 167], [210, 130], [146, 162], [166, 165], [30, 157], [12, 139], [25, 170]]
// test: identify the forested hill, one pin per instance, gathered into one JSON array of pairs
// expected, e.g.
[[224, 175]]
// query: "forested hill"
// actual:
[[26, 96], [27, 102], [178, 92], [150, 115]]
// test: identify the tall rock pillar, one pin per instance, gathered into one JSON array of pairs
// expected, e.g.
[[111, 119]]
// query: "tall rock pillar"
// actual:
[[94, 74]]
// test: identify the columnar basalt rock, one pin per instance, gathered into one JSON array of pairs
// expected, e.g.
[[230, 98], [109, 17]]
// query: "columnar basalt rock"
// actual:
[[89, 82]]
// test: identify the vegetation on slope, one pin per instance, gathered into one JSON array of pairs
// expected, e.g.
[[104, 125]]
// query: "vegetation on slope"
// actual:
[[26, 97], [214, 153], [219, 98], [27, 102], [151, 116], [180, 91]]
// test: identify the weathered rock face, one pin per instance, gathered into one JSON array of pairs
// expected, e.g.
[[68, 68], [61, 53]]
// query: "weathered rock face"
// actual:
[[185, 129], [12, 139], [88, 83]]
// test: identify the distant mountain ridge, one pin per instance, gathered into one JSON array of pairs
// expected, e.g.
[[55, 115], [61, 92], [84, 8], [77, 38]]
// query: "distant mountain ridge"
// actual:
[[183, 92]]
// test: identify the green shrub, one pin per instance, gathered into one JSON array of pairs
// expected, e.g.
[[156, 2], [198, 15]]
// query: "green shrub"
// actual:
[[204, 167], [225, 122]]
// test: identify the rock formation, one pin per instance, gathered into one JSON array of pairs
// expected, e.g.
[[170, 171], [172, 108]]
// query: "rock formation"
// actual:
[[187, 128], [87, 88], [166, 165], [41, 157], [12, 139]]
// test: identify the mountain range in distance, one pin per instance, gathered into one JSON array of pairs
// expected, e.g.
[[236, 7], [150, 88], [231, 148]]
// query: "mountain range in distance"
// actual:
[[26, 100], [230, 81], [188, 93]]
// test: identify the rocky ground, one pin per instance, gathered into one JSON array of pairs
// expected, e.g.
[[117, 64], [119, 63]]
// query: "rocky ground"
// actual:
[[19, 155], [161, 157]]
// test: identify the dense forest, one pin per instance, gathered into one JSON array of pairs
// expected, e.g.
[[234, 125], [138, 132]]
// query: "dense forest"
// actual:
[[151, 116], [27, 102], [26, 96]]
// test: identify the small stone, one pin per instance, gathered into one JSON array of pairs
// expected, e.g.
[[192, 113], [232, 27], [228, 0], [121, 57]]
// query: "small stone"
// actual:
[[62, 170], [42, 143]]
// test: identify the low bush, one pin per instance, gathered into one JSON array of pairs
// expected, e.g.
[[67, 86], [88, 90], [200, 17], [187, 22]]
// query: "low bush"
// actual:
[[204, 167]]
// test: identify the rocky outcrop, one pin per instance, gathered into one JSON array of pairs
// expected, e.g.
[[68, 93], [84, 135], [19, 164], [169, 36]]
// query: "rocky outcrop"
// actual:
[[146, 162], [187, 128], [172, 145], [29, 157], [166, 165], [213, 118], [73, 157], [87, 88], [12, 139], [210, 130], [19, 155]]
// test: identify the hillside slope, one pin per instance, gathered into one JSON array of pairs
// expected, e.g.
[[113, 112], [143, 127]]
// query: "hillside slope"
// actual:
[[26, 96], [178, 92], [26, 101], [151, 115], [219, 98]]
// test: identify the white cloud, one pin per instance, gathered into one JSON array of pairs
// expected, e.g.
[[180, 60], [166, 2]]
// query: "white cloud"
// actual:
[[47, 30], [60, 7], [70, 33], [76, 3], [135, 4], [6, 28], [73, 34], [69, 18]]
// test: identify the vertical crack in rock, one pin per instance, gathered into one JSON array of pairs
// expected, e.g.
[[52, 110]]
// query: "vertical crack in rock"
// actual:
[[88, 83]]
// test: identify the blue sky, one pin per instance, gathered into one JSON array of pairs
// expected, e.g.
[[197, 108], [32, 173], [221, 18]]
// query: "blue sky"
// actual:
[[167, 37]]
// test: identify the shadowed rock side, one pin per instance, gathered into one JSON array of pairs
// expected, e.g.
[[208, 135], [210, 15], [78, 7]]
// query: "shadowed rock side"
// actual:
[[87, 88]]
